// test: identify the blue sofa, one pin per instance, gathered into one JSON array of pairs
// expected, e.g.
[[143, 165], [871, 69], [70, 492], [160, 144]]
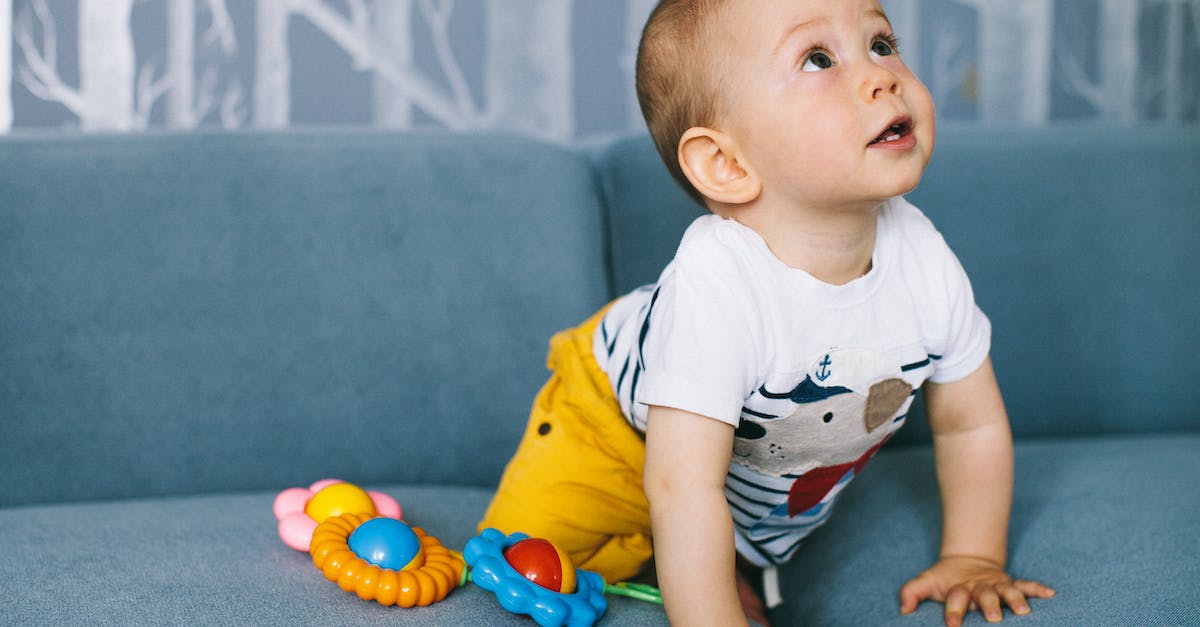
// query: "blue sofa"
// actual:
[[191, 323]]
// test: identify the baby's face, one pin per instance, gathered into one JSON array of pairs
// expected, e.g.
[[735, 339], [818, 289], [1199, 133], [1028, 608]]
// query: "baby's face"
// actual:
[[826, 112]]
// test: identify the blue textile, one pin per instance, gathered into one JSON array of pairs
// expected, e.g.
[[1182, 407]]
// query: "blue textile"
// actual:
[[1110, 522], [190, 323], [188, 313]]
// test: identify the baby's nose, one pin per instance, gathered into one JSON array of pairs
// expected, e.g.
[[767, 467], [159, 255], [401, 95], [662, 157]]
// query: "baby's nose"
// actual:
[[879, 81]]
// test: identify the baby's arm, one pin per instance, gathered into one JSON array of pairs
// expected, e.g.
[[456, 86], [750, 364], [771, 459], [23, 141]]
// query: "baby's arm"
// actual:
[[974, 455], [687, 458]]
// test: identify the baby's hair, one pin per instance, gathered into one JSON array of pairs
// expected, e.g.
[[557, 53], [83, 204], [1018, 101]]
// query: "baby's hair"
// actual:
[[676, 79]]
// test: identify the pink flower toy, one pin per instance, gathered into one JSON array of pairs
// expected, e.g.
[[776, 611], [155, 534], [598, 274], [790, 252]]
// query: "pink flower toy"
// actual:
[[300, 510]]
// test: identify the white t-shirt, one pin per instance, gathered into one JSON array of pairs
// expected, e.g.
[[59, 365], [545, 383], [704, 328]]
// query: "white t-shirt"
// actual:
[[814, 377]]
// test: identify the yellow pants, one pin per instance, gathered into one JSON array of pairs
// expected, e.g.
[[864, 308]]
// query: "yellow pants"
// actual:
[[576, 479]]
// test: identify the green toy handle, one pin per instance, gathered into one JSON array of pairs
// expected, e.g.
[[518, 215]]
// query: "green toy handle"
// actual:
[[638, 591]]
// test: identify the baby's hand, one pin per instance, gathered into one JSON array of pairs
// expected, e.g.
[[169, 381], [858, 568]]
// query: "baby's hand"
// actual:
[[969, 583]]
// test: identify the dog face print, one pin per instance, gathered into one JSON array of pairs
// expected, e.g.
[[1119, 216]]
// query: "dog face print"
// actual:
[[843, 407]]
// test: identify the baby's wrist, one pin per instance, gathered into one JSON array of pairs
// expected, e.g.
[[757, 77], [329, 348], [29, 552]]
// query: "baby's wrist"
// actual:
[[977, 559]]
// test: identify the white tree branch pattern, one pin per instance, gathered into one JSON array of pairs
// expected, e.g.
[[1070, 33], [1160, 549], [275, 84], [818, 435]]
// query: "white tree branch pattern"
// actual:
[[518, 65]]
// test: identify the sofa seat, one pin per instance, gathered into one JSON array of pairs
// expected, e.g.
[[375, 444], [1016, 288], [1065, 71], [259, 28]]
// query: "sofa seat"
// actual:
[[217, 560], [1110, 522]]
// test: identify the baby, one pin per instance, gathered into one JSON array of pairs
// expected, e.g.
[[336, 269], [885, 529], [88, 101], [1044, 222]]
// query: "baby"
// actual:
[[729, 404]]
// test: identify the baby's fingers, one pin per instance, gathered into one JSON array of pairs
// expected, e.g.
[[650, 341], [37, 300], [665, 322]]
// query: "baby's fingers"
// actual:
[[1015, 599], [913, 592], [958, 601], [1034, 589], [989, 604]]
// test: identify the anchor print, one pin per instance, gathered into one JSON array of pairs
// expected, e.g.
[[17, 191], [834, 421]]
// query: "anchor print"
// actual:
[[824, 373]]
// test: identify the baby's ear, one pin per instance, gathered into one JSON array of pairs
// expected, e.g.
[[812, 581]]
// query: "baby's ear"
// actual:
[[712, 162]]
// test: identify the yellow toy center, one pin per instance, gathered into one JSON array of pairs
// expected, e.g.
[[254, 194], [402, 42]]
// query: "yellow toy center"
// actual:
[[568, 572], [338, 499], [417, 561]]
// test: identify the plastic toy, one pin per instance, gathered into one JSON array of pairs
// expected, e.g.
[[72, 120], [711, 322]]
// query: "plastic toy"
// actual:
[[387, 543], [300, 510], [532, 576], [360, 553], [542, 563], [528, 594], [357, 540]]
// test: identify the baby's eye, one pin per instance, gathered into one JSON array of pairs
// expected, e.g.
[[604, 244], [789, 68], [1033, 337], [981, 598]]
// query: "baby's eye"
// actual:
[[816, 62], [883, 47]]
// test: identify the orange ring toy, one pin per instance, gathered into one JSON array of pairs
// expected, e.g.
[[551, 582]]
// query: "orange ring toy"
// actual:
[[428, 579]]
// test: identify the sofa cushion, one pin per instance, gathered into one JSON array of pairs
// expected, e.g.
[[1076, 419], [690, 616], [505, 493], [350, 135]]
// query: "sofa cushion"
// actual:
[[1109, 522], [217, 559], [1082, 249], [646, 211], [190, 313]]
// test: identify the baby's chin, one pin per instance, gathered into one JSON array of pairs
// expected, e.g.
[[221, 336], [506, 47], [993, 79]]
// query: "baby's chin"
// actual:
[[906, 181], [909, 186]]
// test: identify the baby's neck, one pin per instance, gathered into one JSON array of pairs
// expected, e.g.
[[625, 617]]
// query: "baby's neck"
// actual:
[[835, 247]]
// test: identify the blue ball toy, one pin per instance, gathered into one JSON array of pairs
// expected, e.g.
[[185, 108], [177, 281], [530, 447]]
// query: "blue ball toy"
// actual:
[[387, 543]]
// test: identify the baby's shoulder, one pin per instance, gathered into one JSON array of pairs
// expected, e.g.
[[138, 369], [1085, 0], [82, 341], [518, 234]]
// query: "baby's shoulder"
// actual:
[[907, 219], [718, 242], [913, 231]]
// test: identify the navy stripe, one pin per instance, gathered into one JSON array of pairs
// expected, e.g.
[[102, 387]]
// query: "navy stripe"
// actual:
[[777, 528], [920, 364], [778, 536], [742, 510], [795, 545], [772, 556], [637, 371], [763, 391], [763, 557], [604, 334], [741, 518], [624, 370], [746, 410], [765, 504], [755, 485], [646, 325], [613, 344]]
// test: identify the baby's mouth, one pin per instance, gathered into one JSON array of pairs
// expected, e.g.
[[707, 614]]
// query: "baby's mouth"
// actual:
[[895, 131]]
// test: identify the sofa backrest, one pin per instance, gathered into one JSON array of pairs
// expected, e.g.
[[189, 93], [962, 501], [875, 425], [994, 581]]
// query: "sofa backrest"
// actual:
[[1081, 244], [199, 312], [187, 313]]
